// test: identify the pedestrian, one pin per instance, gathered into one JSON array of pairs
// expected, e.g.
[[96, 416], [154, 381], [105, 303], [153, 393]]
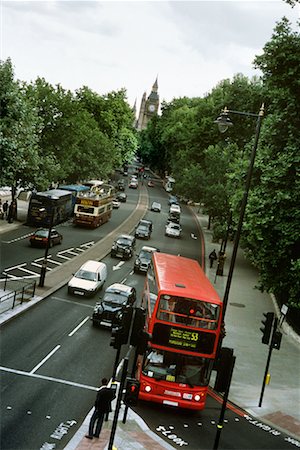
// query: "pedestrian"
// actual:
[[1, 211], [102, 407], [5, 208], [212, 257]]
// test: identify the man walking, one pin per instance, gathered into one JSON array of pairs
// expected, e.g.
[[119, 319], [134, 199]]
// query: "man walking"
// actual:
[[5, 208], [102, 407]]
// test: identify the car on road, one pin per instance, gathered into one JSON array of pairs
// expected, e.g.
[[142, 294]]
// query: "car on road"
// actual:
[[156, 207], [143, 259], [143, 230], [173, 200], [150, 183], [110, 306], [123, 247], [122, 197], [88, 279], [133, 184], [116, 203], [173, 230], [121, 185], [40, 238]]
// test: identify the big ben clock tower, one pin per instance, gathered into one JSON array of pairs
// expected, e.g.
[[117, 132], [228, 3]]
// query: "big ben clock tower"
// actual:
[[149, 107]]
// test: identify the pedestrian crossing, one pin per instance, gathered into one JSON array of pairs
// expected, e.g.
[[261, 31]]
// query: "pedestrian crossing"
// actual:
[[28, 270]]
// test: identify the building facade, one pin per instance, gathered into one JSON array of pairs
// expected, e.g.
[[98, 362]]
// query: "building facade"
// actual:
[[149, 107]]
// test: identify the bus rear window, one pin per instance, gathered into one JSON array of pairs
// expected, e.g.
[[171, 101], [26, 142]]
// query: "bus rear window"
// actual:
[[85, 209]]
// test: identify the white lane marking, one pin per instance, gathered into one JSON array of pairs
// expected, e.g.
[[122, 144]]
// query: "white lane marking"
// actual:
[[73, 302], [45, 359], [119, 265], [123, 281], [63, 256], [71, 252], [44, 377], [25, 236], [54, 262], [82, 250], [88, 244], [16, 267], [78, 326], [28, 271], [40, 265]]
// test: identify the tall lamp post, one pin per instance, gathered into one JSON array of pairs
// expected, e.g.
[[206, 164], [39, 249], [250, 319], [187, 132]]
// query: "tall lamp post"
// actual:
[[44, 263], [223, 122]]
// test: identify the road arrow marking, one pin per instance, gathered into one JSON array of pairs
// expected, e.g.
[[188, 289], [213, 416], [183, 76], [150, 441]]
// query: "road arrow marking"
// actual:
[[119, 265]]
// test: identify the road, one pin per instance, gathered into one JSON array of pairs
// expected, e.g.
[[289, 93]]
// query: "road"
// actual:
[[52, 359]]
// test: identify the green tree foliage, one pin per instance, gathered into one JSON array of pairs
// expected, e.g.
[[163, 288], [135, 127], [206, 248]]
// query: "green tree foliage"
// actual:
[[19, 125], [272, 229]]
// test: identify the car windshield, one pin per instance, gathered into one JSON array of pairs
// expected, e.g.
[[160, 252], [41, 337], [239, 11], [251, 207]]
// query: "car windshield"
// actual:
[[42, 233], [124, 241], [85, 275], [114, 298], [145, 255], [142, 228]]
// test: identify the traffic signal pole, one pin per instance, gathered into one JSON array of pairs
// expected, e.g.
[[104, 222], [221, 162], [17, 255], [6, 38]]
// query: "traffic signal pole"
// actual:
[[116, 364], [118, 404], [275, 343]]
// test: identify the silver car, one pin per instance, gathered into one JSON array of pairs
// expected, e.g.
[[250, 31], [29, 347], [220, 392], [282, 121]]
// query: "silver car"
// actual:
[[173, 230]]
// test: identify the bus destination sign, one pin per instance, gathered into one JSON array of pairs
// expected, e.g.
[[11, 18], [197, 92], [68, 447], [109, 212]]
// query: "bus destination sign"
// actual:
[[183, 338]]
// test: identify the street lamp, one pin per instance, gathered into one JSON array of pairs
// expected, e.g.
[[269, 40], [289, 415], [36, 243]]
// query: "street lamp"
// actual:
[[44, 263], [223, 122]]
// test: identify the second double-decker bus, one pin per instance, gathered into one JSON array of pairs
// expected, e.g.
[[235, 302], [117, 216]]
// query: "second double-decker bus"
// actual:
[[184, 314]]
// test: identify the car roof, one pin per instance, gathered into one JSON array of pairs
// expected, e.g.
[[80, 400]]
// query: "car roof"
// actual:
[[126, 236], [145, 248], [118, 287], [92, 265], [143, 221]]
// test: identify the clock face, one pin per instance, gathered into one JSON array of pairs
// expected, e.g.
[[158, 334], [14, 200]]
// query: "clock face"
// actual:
[[151, 108]]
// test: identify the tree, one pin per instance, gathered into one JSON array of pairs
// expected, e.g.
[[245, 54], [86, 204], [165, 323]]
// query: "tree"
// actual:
[[272, 225], [19, 126]]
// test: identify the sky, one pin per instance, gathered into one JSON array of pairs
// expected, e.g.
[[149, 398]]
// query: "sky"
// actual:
[[190, 46]]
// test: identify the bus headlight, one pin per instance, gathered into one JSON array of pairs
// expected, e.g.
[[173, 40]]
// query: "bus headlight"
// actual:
[[197, 398], [148, 388]]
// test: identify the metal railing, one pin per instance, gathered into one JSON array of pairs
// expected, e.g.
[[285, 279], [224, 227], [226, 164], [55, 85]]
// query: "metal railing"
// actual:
[[15, 292]]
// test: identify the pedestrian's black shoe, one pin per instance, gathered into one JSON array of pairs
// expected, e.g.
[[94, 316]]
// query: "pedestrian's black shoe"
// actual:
[[96, 436], [88, 436]]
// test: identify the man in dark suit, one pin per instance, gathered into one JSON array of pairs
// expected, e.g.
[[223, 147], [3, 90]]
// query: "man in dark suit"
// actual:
[[102, 407]]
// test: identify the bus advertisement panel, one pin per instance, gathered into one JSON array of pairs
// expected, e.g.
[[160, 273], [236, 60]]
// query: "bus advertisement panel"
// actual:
[[184, 314], [43, 204]]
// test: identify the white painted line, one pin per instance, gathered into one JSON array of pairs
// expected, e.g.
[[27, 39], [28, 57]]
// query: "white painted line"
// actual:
[[42, 258], [44, 377], [72, 253], [123, 281], [16, 267], [88, 244], [54, 262], [45, 359], [27, 270], [119, 265], [40, 266], [63, 256], [78, 326], [82, 250]]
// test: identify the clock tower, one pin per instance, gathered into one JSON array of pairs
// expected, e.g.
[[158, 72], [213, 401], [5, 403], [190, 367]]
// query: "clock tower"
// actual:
[[149, 107]]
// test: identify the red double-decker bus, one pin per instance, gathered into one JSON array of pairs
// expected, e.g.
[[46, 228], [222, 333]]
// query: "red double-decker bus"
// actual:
[[184, 314]]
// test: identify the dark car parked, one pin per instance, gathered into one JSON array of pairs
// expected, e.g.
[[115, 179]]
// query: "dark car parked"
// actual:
[[143, 259], [40, 238], [121, 185], [123, 247], [116, 296]]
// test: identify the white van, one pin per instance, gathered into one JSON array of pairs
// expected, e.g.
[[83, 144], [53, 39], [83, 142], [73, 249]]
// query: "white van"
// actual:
[[88, 279]]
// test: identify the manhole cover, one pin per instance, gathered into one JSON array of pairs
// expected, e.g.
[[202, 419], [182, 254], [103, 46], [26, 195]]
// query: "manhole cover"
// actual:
[[238, 305]]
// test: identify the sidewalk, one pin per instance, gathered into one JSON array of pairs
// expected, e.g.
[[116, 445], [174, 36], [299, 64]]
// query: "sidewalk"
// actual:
[[246, 305]]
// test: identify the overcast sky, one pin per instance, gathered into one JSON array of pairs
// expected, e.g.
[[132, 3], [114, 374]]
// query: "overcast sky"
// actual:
[[190, 46]]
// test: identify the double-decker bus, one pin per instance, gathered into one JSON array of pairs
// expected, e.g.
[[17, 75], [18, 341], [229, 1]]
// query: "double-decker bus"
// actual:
[[55, 203], [183, 315]]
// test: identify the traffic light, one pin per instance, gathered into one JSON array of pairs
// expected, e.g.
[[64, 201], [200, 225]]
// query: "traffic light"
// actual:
[[139, 337], [266, 329], [121, 328], [223, 365], [276, 340], [117, 337], [138, 326], [131, 392]]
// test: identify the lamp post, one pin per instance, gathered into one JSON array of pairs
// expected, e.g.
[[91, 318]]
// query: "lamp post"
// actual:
[[223, 122], [44, 263]]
